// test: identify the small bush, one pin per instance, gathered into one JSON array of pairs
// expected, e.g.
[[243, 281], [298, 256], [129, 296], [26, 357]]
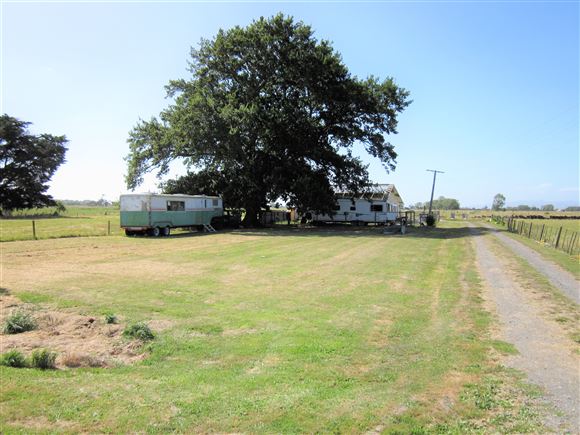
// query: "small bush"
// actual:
[[43, 359], [140, 331], [430, 220], [13, 358], [111, 318], [19, 321]]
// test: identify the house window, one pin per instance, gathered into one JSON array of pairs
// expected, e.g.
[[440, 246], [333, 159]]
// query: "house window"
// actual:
[[377, 207], [175, 205]]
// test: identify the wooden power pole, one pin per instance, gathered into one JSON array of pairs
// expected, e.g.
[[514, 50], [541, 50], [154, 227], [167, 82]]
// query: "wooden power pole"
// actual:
[[433, 188]]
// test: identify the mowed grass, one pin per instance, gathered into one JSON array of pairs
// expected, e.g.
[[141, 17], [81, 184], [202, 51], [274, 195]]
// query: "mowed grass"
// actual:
[[266, 331], [74, 222]]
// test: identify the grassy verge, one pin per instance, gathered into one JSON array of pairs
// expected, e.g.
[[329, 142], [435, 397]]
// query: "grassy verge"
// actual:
[[74, 222], [271, 331], [567, 262], [557, 306]]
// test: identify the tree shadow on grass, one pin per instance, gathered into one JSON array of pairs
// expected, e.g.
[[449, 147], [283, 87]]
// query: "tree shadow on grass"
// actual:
[[350, 231]]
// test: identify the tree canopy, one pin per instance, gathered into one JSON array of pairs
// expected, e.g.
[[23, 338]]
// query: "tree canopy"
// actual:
[[498, 202], [27, 163], [441, 203], [268, 113]]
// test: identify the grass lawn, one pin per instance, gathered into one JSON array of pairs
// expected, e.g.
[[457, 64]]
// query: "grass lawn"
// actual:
[[76, 221], [271, 331]]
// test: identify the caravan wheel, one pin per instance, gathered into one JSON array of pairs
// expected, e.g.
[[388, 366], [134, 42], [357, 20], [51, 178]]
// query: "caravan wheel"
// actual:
[[166, 231], [155, 231]]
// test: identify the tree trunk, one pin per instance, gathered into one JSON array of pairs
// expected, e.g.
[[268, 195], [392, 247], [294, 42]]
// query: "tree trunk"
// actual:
[[251, 216]]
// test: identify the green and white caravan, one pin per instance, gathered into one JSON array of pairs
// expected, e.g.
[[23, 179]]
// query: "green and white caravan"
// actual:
[[155, 214]]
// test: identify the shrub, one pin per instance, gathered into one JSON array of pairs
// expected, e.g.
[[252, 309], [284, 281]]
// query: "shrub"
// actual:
[[110, 318], [19, 321], [43, 359], [140, 330], [430, 220], [13, 358]]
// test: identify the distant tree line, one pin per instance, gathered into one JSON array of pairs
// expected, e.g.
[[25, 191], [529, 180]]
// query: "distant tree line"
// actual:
[[87, 202], [441, 203]]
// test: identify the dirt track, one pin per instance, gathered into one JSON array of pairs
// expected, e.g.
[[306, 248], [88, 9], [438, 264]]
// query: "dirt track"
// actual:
[[558, 277], [546, 353]]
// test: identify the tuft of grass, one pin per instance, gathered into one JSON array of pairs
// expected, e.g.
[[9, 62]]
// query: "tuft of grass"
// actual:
[[43, 359], [13, 358], [208, 329], [19, 321], [504, 347], [484, 396], [75, 360], [111, 318], [140, 331]]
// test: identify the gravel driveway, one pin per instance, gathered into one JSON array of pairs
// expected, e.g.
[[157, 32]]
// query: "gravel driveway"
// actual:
[[557, 276], [545, 352]]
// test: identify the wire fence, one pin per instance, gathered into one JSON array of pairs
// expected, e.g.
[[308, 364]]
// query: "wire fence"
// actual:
[[550, 234], [35, 229]]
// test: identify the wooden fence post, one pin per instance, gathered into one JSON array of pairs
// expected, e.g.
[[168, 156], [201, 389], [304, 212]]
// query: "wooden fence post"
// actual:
[[34, 230], [530, 232], [109, 228], [558, 237], [572, 243], [542, 232]]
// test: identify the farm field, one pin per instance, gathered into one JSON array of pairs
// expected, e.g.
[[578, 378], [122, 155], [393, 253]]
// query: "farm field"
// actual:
[[76, 221], [270, 331]]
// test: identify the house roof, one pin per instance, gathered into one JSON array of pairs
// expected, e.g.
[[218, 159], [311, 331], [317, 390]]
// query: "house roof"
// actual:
[[380, 192]]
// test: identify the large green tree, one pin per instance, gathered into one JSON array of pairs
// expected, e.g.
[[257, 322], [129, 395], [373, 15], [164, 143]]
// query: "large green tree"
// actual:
[[446, 204], [27, 163], [498, 202], [269, 113]]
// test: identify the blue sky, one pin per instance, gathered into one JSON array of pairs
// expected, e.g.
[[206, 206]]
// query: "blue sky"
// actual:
[[495, 85]]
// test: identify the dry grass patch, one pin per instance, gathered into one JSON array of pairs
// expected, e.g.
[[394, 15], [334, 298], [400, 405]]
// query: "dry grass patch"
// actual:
[[79, 341]]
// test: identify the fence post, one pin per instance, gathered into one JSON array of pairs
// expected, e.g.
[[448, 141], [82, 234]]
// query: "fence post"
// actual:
[[571, 245], [542, 232], [109, 228], [574, 244], [558, 237], [530, 232], [34, 230]]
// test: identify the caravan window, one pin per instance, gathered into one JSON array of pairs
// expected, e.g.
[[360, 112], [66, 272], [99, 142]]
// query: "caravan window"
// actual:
[[336, 207], [376, 207], [215, 202], [175, 205]]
